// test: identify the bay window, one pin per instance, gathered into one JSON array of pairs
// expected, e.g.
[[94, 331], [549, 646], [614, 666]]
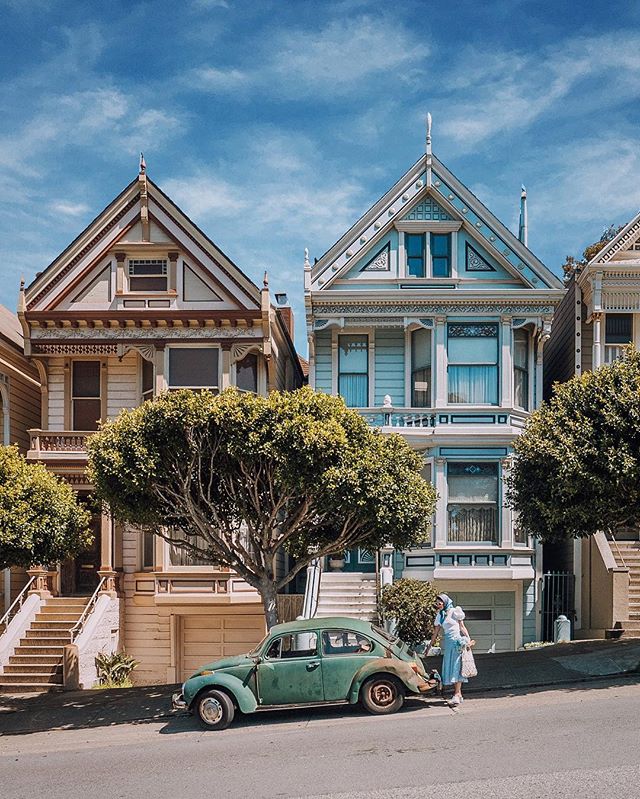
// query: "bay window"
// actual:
[[247, 373], [521, 369], [194, 367], [353, 370], [421, 368], [472, 351], [472, 503], [86, 402]]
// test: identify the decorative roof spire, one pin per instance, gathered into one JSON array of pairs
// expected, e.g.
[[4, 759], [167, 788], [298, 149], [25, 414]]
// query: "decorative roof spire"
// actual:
[[307, 271], [22, 301], [522, 230], [428, 149], [265, 280], [143, 165]]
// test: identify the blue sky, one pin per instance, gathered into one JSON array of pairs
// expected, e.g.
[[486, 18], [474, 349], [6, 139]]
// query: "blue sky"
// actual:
[[275, 125]]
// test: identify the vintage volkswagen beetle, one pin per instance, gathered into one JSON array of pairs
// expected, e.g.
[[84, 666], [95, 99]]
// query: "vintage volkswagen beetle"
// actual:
[[308, 662]]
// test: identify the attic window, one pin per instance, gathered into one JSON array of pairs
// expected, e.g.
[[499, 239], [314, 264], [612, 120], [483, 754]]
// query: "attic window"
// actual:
[[147, 274]]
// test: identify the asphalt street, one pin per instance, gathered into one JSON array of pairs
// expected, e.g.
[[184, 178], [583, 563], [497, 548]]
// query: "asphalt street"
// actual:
[[566, 742]]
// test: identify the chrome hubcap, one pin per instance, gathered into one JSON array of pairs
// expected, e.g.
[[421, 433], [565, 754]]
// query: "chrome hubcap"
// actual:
[[210, 710], [382, 694]]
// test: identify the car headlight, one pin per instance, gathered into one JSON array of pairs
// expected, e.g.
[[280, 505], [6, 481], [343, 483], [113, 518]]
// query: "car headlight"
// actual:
[[205, 672]]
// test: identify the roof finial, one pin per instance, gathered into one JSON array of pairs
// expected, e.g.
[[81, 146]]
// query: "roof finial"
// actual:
[[22, 302], [143, 165], [265, 280], [428, 143], [522, 229], [307, 264]]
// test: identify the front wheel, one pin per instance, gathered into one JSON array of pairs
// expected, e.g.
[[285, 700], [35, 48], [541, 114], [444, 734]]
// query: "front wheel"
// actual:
[[215, 710], [382, 694]]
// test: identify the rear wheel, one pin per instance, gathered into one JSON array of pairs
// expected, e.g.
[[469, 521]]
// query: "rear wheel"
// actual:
[[382, 694], [215, 710]]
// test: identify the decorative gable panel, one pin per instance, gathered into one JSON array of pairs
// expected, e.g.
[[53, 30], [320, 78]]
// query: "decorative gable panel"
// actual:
[[427, 210], [474, 262], [381, 261]]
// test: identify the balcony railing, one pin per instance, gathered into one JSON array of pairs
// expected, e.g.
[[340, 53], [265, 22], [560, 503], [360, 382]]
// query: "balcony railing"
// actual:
[[614, 351], [46, 441]]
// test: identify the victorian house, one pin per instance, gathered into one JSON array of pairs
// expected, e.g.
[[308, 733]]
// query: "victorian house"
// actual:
[[430, 317], [140, 303], [598, 318]]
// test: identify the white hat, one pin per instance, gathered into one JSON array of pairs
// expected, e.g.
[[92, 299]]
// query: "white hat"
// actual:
[[457, 614]]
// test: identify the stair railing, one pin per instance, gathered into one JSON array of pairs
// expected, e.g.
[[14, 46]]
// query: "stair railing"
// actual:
[[613, 538], [312, 589], [77, 627], [15, 606]]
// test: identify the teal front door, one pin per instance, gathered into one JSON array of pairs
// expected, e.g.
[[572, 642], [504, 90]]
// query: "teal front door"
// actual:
[[290, 672], [360, 560]]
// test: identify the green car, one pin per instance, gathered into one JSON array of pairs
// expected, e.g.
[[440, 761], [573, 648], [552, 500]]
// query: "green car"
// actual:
[[308, 662]]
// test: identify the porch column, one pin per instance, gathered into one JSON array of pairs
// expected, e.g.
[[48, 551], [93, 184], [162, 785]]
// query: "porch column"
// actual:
[[106, 553], [158, 361], [226, 368], [597, 340], [506, 363], [440, 481]]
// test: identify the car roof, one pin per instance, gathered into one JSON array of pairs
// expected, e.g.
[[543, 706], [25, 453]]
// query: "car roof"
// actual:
[[325, 623]]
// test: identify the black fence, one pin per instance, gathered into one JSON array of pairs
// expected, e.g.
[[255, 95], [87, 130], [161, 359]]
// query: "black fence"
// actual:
[[558, 598]]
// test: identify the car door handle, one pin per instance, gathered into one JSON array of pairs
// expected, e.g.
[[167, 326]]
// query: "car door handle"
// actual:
[[312, 666]]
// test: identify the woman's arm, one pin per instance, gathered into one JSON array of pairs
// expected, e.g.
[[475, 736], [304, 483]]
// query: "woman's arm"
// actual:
[[464, 630], [434, 636]]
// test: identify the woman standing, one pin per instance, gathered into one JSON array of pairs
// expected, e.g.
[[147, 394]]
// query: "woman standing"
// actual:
[[449, 620]]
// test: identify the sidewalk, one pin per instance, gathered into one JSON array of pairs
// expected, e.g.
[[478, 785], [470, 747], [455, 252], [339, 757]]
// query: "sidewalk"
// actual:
[[568, 664]]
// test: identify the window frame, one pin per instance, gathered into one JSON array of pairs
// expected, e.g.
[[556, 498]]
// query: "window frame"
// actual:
[[427, 253], [410, 370], [152, 390], [495, 363], [367, 335], [72, 397], [526, 370], [281, 637], [192, 346], [371, 653], [162, 274], [498, 503]]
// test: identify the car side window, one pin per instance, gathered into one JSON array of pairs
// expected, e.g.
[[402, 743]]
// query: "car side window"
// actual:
[[302, 645], [345, 642]]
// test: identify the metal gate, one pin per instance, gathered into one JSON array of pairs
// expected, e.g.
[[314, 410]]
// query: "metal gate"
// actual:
[[558, 597]]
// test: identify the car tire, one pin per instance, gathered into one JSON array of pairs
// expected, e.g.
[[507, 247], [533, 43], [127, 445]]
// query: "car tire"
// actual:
[[382, 694], [214, 709]]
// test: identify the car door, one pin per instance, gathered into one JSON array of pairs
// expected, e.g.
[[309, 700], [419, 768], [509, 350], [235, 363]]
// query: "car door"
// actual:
[[343, 653], [290, 671]]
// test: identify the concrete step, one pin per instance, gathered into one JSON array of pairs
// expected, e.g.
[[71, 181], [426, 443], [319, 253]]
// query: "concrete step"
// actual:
[[67, 600], [30, 660], [339, 591], [24, 678], [51, 651], [47, 632], [56, 641], [51, 625], [63, 615], [631, 624], [340, 577], [28, 687], [31, 668]]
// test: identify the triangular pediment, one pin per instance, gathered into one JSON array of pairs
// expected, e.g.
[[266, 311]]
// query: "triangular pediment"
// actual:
[[427, 210], [624, 246], [142, 244]]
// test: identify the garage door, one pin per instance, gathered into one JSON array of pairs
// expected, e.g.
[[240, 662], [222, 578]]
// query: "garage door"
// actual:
[[490, 618], [206, 637]]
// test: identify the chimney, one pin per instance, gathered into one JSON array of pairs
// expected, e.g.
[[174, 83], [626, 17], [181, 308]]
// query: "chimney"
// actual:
[[285, 312]]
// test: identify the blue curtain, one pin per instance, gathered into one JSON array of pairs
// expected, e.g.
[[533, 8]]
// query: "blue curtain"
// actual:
[[473, 385], [354, 390]]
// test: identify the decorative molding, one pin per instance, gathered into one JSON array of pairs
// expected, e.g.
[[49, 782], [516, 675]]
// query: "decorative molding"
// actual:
[[427, 209], [147, 351], [474, 262], [238, 351], [75, 349], [433, 309], [620, 244], [122, 333], [381, 261]]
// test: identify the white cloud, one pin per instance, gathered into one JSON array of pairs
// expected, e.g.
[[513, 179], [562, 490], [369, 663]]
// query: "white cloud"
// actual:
[[213, 79], [69, 208]]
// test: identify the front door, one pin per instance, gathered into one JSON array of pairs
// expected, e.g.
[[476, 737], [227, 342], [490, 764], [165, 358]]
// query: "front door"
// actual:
[[290, 672], [360, 560], [344, 652], [79, 575]]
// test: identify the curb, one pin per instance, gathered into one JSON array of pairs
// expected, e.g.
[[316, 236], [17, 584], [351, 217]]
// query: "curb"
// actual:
[[568, 681]]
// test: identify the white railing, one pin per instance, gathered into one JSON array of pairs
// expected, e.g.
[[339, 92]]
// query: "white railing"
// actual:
[[15, 605], [312, 589], [58, 441], [77, 627], [613, 351]]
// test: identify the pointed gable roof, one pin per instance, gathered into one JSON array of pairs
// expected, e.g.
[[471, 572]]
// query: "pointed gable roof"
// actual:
[[629, 234], [112, 224], [448, 198]]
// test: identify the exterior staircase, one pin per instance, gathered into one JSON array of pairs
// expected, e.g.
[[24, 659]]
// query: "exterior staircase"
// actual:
[[627, 553], [351, 594], [36, 664]]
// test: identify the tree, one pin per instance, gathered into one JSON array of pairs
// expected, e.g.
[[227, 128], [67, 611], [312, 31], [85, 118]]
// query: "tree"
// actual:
[[572, 264], [411, 603], [577, 465], [41, 520], [240, 480]]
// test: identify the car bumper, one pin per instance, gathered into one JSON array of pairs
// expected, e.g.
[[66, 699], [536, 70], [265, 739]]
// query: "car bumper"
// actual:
[[178, 702]]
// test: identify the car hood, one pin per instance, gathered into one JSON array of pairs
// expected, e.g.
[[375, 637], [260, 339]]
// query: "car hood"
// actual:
[[224, 663]]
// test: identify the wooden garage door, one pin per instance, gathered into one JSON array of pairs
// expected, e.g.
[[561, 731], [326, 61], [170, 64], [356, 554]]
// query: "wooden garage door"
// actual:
[[490, 618], [206, 637]]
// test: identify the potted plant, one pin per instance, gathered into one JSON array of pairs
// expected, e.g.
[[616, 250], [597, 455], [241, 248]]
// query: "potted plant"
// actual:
[[336, 561]]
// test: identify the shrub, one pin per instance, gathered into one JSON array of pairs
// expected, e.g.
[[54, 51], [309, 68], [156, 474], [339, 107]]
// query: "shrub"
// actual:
[[410, 603], [114, 669]]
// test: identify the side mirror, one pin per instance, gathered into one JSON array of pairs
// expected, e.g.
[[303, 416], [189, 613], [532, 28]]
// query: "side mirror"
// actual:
[[257, 660]]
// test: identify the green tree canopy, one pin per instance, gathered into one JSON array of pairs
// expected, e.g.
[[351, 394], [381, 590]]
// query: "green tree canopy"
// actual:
[[41, 520], [577, 465], [411, 603], [572, 264], [240, 480]]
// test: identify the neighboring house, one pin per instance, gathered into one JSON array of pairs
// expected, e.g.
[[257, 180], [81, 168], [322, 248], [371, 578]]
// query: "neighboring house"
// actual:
[[599, 315], [143, 302], [430, 318], [19, 411]]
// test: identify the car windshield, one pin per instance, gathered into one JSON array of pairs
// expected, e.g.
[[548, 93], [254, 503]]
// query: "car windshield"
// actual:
[[258, 647], [392, 639]]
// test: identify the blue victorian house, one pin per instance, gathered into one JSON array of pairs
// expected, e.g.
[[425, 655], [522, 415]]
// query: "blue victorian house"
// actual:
[[430, 317]]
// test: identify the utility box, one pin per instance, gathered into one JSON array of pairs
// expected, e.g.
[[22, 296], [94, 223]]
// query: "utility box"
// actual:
[[561, 630]]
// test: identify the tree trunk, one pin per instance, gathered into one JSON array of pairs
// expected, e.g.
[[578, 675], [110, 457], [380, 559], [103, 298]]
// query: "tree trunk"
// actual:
[[269, 598]]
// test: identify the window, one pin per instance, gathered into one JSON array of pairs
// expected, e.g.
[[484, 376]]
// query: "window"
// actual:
[[194, 367], [147, 274], [441, 255], [353, 370], [421, 368], [473, 502], [472, 350], [415, 246], [148, 375], [418, 258], [521, 368], [345, 642], [183, 557], [520, 536], [302, 645], [148, 547], [618, 331], [85, 391], [247, 373]]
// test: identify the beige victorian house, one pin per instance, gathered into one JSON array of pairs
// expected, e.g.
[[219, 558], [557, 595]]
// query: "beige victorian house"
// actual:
[[140, 303]]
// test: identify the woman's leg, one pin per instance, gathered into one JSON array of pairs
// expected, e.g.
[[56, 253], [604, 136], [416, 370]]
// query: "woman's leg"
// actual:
[[458, 689]]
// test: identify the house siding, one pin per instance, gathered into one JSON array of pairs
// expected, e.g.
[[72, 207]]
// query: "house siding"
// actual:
[[559, 352], [389, 366], [323, 362]]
